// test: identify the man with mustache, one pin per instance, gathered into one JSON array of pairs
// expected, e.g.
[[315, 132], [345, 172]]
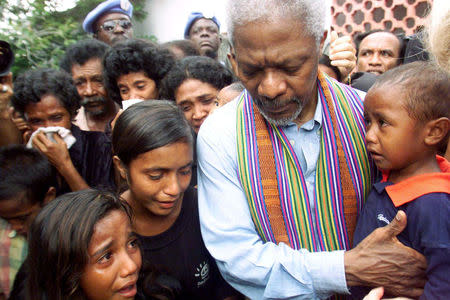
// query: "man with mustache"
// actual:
[[283, 170], [83, 61]]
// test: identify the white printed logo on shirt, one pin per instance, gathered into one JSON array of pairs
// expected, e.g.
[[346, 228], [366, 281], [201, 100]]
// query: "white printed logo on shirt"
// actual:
[[202, 273], [382, 218]]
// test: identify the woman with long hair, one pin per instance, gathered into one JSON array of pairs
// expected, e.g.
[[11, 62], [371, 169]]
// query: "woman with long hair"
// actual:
[[82, 246], [153, 147]]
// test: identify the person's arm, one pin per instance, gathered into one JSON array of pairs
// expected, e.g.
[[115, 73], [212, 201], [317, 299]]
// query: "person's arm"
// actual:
[[256, 269], [59, 157]]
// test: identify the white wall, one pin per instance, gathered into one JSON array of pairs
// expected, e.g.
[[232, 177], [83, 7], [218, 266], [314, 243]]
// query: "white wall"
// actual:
[[166, 19]]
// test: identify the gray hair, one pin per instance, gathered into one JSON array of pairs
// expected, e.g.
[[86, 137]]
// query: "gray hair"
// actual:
[[311, 13], [438, 33]]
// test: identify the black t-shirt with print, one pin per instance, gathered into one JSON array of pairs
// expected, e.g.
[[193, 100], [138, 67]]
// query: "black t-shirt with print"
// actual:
[[181, 253]]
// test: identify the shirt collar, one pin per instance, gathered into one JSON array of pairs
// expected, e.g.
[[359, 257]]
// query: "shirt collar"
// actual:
[[417, 186]]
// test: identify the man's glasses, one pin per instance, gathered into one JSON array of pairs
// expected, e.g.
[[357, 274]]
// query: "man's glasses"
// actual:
[[111, 25]]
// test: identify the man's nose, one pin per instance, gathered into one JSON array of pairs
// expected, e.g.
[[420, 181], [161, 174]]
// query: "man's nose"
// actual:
[[88, 91], [375, 59], [204, 33], [118, 29], [272, 85]]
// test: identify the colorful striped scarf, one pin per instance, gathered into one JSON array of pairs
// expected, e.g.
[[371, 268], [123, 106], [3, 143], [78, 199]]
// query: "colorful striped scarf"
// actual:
[[275, 186]]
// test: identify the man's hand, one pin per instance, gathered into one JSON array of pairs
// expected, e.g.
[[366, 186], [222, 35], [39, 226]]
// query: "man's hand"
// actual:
[[58, 155], [381, 260], [342, 54], [56, 152], [20, 123], [377, 293]]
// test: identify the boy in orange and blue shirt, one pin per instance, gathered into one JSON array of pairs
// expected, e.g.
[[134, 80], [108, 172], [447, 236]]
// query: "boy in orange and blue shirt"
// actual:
[[407, 120]]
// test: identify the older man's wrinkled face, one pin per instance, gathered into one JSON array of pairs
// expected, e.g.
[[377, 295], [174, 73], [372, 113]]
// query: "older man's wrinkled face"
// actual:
[[88, 79], [113, 27], [277, 63]]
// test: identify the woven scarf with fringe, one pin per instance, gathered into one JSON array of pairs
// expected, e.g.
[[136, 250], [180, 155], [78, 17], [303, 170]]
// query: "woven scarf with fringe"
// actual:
[[275, 186]]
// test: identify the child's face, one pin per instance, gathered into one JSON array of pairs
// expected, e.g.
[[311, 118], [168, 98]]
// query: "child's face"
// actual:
[[114, 260], [394, 139], [19, 212]]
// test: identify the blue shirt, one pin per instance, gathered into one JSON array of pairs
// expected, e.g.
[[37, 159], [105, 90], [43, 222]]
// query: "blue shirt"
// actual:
[[258, 270], [428, 232]]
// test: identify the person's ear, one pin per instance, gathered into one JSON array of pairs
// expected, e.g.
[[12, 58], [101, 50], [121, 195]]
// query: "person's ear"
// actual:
[[50, 195], [120, 167], [323, 39], [436, 131], [232, 58]]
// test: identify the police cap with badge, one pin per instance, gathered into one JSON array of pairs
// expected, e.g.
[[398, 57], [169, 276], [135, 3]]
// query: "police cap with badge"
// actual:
[[110, 6]]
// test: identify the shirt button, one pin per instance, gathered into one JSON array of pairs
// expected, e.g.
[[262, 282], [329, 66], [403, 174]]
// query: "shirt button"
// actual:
[[12, 234]]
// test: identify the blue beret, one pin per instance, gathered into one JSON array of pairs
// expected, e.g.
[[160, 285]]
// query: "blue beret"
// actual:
[[194, 16], [110, 6]]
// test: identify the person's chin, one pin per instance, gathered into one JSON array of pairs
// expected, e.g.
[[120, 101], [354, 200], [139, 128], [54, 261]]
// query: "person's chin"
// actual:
[[95, 111], [94, 105], [118, 38], [281, 115]]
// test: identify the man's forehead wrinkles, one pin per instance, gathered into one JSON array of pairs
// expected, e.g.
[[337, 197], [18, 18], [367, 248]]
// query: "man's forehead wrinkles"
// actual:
[[261, 58]]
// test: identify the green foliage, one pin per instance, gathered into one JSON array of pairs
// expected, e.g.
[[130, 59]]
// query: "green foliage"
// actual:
[[39, 34]]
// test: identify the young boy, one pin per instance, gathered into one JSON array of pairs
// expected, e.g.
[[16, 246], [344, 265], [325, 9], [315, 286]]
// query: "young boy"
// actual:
[[407, 119], [27, 183]]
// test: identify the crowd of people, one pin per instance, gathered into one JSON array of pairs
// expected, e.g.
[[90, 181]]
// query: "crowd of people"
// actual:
[[273, 162]]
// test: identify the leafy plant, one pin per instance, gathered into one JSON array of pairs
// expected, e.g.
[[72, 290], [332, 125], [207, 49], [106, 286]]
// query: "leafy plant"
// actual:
[[39, 34]]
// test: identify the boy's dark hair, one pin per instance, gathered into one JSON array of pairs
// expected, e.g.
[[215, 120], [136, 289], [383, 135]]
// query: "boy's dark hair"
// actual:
[[82, 51], [201, 68], [32, 85], [424, 86], [24, 170], [132, 56]]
